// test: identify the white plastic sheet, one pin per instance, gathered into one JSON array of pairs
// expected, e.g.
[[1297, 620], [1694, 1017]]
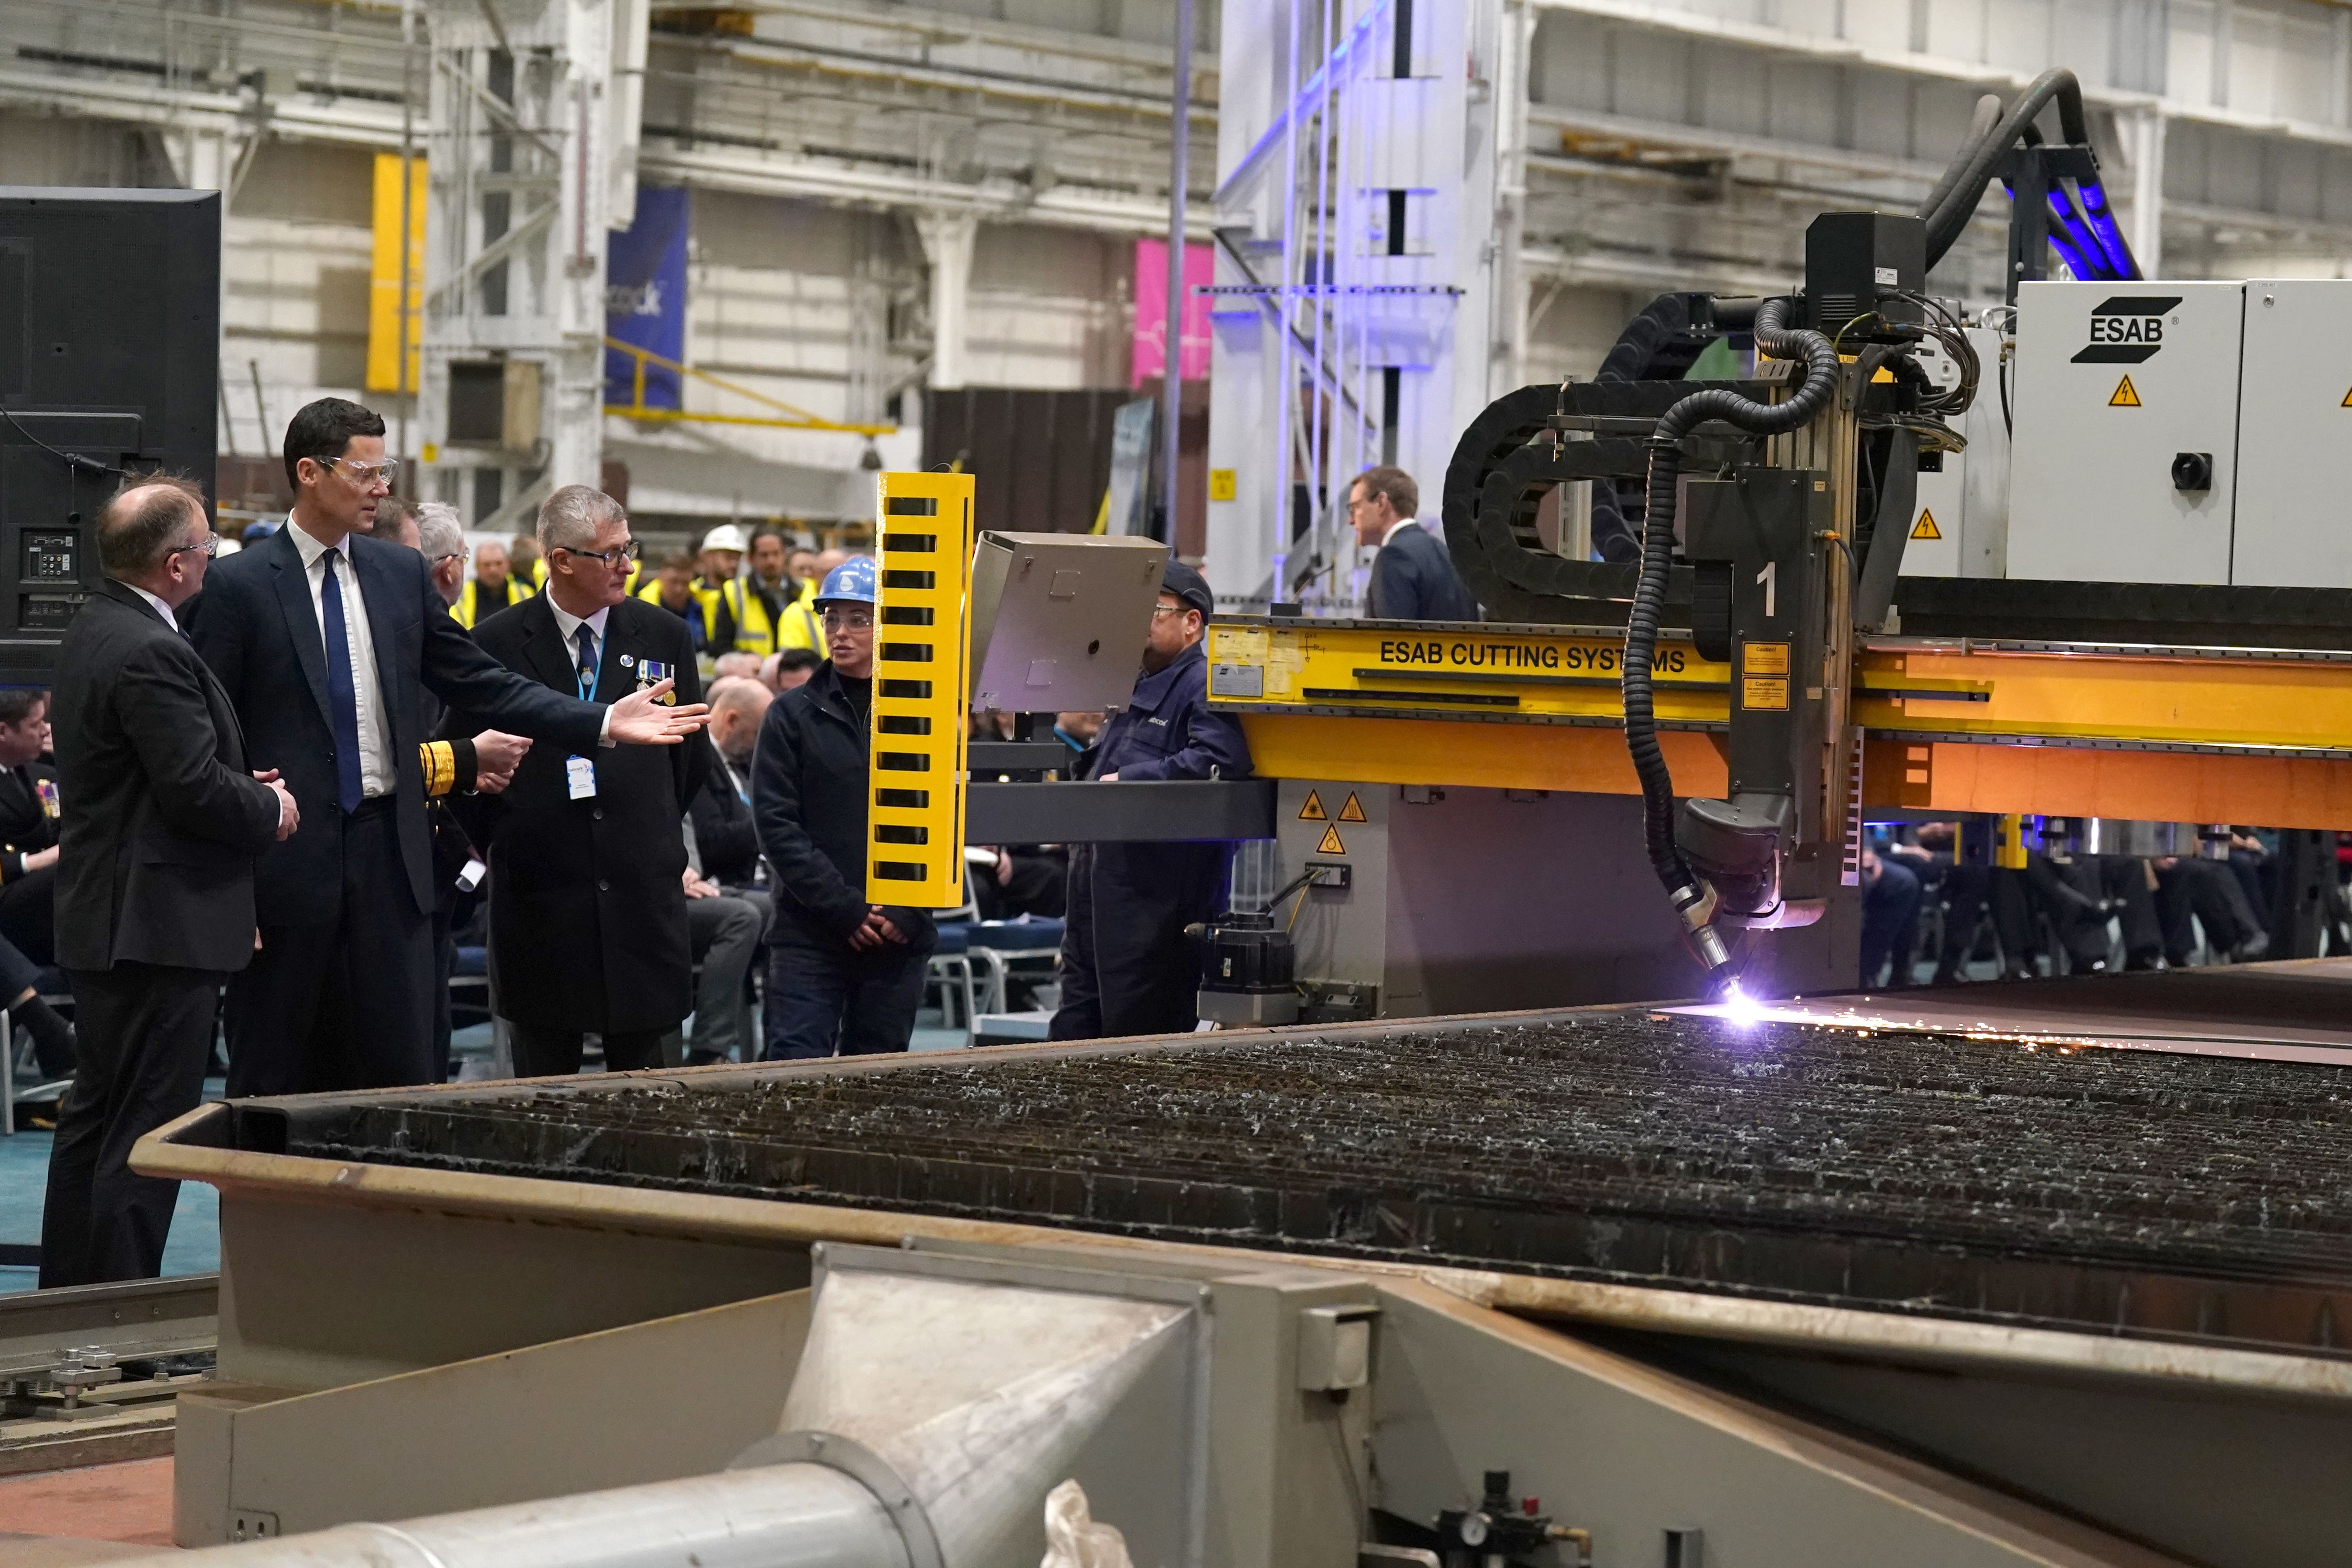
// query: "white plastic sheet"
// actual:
[[1073, 1539]]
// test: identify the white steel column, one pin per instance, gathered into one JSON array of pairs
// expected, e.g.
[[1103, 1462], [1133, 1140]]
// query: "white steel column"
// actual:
[[2146, 146], [948, 240], [520, 205]]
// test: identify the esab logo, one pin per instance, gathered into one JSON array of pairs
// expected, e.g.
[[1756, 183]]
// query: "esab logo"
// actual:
[[2126, 329]]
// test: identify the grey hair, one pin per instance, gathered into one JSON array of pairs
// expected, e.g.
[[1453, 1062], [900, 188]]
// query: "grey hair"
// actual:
[[439, 530], [569, 519]]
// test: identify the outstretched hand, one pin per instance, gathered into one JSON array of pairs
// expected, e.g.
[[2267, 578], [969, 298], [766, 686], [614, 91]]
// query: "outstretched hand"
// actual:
[[640, 719]]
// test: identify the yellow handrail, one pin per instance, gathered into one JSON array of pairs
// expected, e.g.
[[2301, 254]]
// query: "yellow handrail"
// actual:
[[800, 419]]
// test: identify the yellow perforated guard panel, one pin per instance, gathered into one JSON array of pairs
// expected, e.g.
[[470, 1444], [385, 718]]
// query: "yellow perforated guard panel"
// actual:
[[922, 648]]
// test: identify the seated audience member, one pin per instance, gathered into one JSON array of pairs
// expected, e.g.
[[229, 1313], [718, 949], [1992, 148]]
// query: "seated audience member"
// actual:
[[30, 821], [780, 672], [846, 975], [739, 666]]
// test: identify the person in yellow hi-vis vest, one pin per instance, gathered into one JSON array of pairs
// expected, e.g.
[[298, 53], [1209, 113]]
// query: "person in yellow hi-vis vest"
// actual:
[[673, 588], [770, 611], [491, 588]]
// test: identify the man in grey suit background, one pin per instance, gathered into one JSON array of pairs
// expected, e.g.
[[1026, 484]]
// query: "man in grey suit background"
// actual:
[[154, 896]]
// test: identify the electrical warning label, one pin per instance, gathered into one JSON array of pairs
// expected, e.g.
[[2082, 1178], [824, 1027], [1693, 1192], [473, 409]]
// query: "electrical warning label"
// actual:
[[1925, 527], [2126, 396]]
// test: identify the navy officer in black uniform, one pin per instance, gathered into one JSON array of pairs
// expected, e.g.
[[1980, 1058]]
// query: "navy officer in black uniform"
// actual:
[[1126, 968]]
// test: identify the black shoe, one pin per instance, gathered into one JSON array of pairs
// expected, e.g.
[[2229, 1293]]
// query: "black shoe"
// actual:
[[2253, 948], [703, 1058]]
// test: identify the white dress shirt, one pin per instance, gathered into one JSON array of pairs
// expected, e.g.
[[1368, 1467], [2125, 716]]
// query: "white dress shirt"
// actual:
[[377, 776], [162, 608], [1392, 527], [569, 624]]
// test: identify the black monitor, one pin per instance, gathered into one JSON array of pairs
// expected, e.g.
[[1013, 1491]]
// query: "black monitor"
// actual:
[[109, 357]]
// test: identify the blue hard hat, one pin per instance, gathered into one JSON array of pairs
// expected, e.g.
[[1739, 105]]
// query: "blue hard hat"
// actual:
[[853, 580]]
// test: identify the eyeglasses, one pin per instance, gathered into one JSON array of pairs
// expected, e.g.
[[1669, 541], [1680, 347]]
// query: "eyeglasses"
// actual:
[[368, 475], [447, 555], [628, 549], [850, 620], [1159, 610], [210, 546]]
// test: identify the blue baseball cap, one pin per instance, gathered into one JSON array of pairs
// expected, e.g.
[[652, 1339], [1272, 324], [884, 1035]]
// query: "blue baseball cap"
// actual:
[[851, 580]]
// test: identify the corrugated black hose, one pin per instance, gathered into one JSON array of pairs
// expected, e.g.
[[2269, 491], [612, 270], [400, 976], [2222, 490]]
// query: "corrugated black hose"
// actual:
[[1812, 395]]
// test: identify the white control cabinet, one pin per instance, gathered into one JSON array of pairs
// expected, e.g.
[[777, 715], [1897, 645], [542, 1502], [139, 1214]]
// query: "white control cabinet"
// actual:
[[2294, 429], [2117, 385]]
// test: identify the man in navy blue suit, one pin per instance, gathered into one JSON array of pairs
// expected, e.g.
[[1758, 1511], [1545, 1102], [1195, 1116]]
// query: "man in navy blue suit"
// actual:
[[1412, 577], [326, 643]]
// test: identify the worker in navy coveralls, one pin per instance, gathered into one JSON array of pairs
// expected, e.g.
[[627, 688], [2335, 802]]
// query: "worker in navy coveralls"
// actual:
[[1126, 966]]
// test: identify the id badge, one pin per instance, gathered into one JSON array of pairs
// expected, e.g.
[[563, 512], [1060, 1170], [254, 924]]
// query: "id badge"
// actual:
[[580, 777]]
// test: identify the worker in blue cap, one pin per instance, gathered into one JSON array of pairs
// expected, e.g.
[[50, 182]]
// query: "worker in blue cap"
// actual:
[[1126, 968], [843, 975]]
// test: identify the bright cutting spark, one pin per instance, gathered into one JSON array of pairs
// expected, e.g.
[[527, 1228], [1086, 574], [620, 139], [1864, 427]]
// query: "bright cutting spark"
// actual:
[[1738, 1006]]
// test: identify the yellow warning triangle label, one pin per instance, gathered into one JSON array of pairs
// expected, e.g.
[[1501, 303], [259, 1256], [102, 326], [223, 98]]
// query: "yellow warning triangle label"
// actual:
[[2347, 401], [1330, 844], [1354, 810], [2126, 398], [1925, 527], [1313, 810]]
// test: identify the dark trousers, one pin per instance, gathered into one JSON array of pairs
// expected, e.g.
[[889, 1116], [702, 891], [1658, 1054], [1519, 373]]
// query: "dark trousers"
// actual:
[[1127, 967], [1967, 891], [28, 944], [542, 1052], [345, 1002], [2210, 890], [146, 1035], [1890, 922], [824, 995]]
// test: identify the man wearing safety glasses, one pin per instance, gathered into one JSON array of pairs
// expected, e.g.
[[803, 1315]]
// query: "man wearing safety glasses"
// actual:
[[328, 645]]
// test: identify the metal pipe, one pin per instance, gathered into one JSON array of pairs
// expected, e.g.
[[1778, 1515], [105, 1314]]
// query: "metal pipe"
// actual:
[[778, 1516], [1180, 149]]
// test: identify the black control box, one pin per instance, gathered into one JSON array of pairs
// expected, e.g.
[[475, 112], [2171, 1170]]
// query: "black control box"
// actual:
[[1856, 267]]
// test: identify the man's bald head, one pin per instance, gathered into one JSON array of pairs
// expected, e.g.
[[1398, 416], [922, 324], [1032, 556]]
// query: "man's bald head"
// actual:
[[737, 706], [152, 535]]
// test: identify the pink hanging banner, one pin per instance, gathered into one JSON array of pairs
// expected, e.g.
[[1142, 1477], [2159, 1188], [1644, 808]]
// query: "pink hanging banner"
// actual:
[[1151, 356]]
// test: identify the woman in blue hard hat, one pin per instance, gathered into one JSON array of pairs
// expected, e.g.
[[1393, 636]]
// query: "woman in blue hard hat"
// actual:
[[843, 975]]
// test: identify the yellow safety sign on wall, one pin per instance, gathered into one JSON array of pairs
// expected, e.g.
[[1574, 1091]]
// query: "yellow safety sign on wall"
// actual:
[[1354, 810], [1313, 810], [2126, 396], [1220, 484], [1330, 844], [1925, 527]]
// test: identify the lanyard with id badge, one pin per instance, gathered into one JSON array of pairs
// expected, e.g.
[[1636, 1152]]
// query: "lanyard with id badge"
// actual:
[[578, 772]]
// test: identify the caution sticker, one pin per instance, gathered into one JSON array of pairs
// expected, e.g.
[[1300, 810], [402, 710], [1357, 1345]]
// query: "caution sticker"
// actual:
[[1313, 810], [2347, 399], [1764, 693], [1925, 527], [2127, 397], [1354, 810], [1220, 484], [1330, 844], [1764, 658]]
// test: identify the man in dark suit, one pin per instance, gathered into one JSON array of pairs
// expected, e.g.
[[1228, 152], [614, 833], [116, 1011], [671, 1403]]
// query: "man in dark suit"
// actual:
[[155, 885], [588, 922], [328, 646], [1412, 577]]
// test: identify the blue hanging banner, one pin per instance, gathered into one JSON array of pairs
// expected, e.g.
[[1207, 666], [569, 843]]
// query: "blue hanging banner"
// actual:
[[644, 299]]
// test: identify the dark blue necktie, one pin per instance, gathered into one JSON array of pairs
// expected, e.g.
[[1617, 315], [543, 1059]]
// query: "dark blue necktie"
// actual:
[[342, 696], [587, 636]]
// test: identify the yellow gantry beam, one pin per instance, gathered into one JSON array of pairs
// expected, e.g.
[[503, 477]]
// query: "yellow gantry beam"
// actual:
[[922, 646], [2171, 734]]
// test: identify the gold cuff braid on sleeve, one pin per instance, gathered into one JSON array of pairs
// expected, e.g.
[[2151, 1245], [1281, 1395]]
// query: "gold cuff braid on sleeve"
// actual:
[[440, 762]]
